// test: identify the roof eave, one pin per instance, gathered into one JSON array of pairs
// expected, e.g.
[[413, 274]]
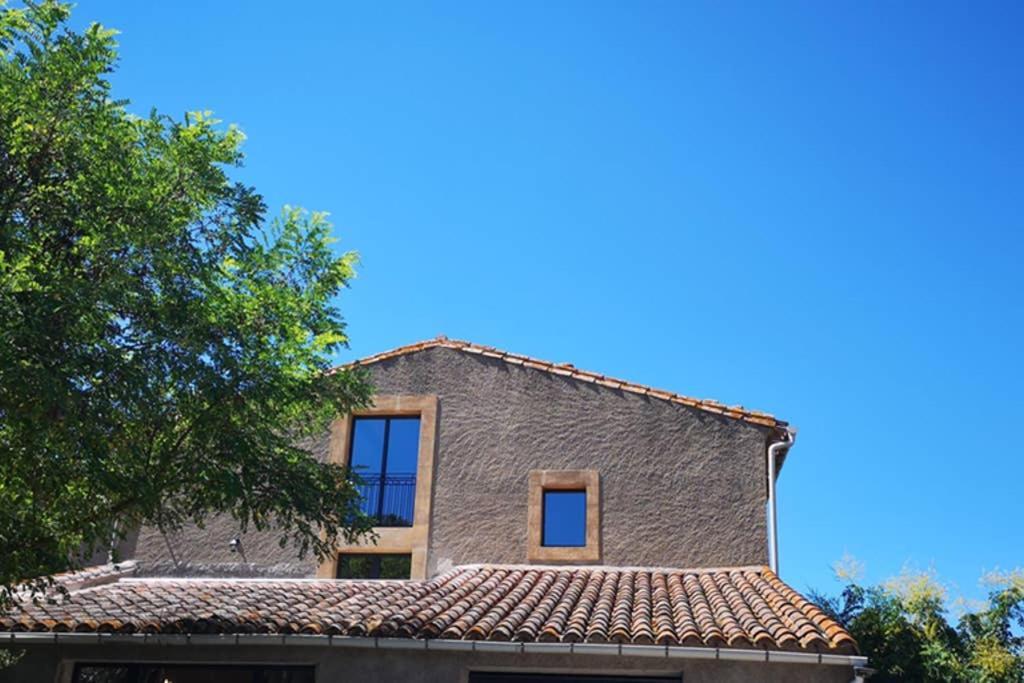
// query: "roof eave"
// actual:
[[425, 644]]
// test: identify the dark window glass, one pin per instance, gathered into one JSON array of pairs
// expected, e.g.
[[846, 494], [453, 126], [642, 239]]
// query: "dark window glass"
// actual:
[[565, 519], [374, 566], [191, 673], [403, 445], [367, 444], [384, 455]]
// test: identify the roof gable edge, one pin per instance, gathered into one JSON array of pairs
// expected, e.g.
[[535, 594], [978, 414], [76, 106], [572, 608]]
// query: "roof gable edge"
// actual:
[[736, 412]]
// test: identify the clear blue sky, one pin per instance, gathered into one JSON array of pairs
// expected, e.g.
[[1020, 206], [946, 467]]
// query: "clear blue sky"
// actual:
[[813, 209]]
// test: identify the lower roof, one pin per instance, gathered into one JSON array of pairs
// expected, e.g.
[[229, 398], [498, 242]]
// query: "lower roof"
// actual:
[[737, 607]]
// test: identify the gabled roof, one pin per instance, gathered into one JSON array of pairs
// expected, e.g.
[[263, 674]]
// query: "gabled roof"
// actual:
[[567, 370], [737, 607]]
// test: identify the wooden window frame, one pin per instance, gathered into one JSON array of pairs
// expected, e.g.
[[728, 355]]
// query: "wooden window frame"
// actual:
[[563, 480], [412, 540]]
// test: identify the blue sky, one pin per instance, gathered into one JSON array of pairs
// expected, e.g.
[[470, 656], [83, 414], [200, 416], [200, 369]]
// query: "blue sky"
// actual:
[[812, 209]]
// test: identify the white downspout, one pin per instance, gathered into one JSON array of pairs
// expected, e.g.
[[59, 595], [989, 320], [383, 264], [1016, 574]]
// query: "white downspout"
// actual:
[[773, 517]]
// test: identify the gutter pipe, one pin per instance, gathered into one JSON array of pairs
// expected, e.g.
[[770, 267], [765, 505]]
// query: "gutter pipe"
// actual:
[[617, 649], [773, 517]]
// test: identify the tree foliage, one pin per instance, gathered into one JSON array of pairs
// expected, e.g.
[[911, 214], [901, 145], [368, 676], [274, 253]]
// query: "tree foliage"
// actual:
[[163, 346], [903, 629]]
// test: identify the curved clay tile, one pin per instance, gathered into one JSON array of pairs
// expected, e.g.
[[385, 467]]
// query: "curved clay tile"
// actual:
[[752, 628], [554, 627], [545, 605], [509, 626], [86, 626], [509, 592], [579, 618], [640, 617], [622, 610], [725, 620], [498, 620], [686, 629], [707, 626], [743, 607], [662, 617], [493, 590], [601, 616]]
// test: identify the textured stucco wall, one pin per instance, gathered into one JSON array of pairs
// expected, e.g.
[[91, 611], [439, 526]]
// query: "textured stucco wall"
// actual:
[[679, 487], [206, 551], [52, 664]]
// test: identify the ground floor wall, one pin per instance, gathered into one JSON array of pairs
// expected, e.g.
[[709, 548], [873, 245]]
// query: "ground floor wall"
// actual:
[[55, 663]]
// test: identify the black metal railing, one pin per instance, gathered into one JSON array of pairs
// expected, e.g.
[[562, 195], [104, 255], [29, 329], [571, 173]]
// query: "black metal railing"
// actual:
[[389, 499]]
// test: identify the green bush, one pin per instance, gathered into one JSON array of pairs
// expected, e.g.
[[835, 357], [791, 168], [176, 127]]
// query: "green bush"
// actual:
[[903, 628]]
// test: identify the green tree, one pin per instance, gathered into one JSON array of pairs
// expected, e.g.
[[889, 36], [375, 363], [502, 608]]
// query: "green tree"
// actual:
[[164, 348], [903, 629]]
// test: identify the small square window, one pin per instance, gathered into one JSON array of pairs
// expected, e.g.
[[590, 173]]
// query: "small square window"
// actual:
[[564, 516], [565, 519]]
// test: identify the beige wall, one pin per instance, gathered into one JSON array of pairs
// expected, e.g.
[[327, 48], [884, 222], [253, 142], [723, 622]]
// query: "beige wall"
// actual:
[[679, 487]]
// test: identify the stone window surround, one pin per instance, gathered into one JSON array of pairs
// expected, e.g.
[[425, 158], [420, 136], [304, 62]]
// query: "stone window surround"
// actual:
[[563, 480], [393, 540]]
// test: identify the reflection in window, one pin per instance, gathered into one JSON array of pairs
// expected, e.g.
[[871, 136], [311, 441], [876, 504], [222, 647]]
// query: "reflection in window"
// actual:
[[565, 519], [384, 455], [374, 566]]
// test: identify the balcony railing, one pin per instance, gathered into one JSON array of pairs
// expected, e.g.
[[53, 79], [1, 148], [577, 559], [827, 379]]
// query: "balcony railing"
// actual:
[[390, 499]]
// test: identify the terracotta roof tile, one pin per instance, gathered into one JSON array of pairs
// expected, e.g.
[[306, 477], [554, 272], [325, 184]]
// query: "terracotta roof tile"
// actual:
[[95, 575], [740, 607], [568, 370]]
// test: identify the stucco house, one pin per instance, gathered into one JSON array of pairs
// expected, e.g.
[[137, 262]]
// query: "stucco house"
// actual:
[[537, 523]]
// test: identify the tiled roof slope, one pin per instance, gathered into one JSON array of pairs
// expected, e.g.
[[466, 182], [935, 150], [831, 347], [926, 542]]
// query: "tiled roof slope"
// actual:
[[741, 607], [567, 370], [95, 575]]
